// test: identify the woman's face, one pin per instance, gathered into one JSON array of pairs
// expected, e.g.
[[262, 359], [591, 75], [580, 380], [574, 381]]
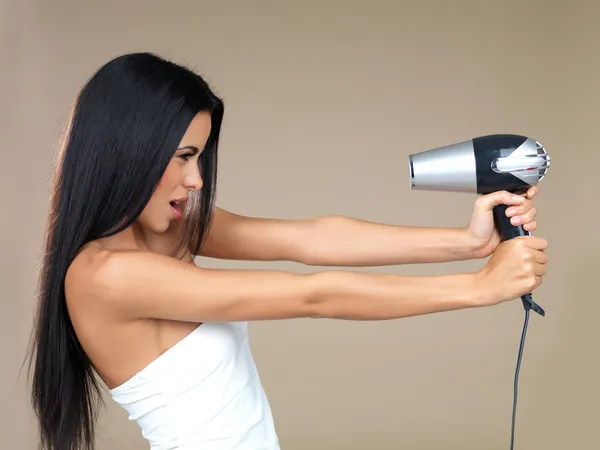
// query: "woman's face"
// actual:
[[181, 176]]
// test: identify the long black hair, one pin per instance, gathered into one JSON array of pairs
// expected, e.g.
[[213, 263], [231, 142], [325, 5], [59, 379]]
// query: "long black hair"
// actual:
[[123, 129]]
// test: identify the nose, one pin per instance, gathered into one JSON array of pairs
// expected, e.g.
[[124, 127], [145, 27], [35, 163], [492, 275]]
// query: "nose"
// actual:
[[193, 181]]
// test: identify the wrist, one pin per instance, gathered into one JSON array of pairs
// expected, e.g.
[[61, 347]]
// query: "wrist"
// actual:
[[482, 294], [473, 247]]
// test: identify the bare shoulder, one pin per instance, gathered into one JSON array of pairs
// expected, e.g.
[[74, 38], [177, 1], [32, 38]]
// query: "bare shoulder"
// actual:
[[83, 270], [84, 283], [118, 347], [96, 273]]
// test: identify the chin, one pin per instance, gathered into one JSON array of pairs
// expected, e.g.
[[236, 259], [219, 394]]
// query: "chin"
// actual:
[[156, 225], [161, 227]]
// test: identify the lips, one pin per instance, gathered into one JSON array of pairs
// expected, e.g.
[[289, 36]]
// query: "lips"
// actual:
[[176, 209]]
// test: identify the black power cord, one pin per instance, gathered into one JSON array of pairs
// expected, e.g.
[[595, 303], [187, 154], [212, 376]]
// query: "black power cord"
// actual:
[[508, 231], [516, 388]]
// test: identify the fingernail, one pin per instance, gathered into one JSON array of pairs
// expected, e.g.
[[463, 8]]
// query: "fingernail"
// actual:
[[516, 220], [510, 212]]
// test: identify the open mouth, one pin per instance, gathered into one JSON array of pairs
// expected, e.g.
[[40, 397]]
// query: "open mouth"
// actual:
[[176, 208]]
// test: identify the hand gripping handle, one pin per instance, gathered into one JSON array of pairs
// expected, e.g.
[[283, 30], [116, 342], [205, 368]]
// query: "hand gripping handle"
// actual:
[[510, 231]]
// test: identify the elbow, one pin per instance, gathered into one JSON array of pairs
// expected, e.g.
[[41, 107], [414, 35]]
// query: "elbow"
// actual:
[[317, 299], [316, 245]]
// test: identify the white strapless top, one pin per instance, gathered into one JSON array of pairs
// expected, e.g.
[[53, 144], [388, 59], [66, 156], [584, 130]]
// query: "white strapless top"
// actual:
[[204, 393]]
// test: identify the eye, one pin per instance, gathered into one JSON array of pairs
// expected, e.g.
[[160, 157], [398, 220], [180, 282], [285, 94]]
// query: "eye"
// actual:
[[186, 156]]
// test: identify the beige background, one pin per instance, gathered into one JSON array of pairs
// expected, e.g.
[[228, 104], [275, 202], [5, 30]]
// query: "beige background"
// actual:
[[324, 102]]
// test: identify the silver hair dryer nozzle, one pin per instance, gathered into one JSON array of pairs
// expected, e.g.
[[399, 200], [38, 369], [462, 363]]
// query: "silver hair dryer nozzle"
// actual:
[[448, 168]]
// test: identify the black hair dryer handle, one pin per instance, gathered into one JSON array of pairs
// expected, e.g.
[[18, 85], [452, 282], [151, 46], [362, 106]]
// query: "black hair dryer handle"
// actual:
[[509, 231]]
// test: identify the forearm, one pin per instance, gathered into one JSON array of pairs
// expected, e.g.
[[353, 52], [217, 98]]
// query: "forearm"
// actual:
[[345, 241], [367, 296]]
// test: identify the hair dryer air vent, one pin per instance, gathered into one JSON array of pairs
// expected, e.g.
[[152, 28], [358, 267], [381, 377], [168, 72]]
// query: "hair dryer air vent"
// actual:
[[543, 169]]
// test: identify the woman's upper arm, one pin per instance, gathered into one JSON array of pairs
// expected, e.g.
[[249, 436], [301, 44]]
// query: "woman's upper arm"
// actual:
[[147, 285], [237, 237]]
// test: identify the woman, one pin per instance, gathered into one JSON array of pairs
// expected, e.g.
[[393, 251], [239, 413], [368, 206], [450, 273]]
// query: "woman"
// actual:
[[121, 298]]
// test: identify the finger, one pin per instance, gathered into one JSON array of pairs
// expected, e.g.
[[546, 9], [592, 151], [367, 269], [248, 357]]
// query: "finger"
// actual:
[[534, 242], [540, 269], [488, 201], [533, 191], [540, 257], [525, 206], [530, 226], [529, 216]]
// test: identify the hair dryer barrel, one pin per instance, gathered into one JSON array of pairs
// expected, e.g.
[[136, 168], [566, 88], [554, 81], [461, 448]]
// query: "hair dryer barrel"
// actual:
[[481, 165], [448, 168]]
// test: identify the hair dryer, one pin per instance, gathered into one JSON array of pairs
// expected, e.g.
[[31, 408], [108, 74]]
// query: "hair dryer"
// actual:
[[483, 165]]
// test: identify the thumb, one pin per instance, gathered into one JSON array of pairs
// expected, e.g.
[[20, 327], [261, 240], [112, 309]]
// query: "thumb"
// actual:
[[488, 201]]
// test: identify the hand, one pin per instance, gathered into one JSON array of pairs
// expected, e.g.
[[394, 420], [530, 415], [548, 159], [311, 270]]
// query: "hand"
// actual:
[[516, 268], [482, 232]]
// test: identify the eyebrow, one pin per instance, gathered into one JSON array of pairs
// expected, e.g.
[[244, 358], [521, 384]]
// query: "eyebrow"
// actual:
[[189, 147]]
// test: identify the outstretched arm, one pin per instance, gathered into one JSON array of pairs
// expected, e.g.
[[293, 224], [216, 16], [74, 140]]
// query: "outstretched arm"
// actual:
[[346, 241], [332, 241], [136, 285]]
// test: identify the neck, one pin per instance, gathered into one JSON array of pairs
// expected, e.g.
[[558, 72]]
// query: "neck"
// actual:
[[135, 237]]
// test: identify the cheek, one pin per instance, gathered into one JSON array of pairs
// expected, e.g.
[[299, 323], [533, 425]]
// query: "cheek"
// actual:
[[168, 179], [166, 185]]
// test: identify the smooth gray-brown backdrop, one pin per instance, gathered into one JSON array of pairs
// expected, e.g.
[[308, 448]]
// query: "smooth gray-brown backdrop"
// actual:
[[324, 101]]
